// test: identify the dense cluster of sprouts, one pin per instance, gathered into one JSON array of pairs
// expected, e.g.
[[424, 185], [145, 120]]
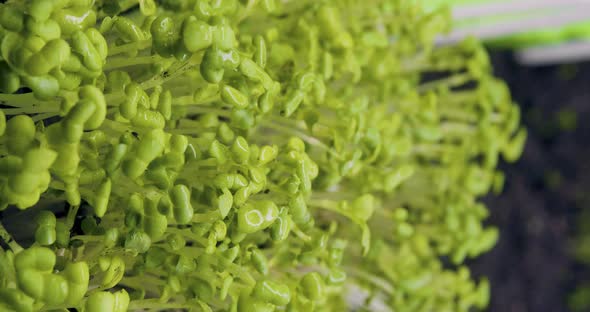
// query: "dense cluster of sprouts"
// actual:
[[252, 155]]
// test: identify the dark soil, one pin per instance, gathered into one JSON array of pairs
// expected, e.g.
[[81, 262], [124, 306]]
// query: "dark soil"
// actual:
[[531, 268]]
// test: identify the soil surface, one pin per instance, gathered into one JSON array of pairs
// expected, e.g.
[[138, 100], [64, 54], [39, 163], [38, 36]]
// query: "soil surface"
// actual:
[[531, 268]]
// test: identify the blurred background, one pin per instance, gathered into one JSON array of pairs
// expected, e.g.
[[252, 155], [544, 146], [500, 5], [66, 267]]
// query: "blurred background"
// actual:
[[543, 213], [541, 48]]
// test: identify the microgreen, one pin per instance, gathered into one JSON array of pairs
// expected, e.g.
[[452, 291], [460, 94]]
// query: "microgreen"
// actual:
[[246, 155]]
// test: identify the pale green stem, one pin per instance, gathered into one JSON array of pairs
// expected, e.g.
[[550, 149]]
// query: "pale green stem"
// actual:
[[201, 240], [451, 81], [331, 196], [120, 62], [206, 217], [7, 238], [208, 110], [88, 238], [141, 282], [305, 137], [21, 100], [429, 149], [239, 271], [45, 108], [383, 284], [156, 304], [456, 127], [300, 233], [189, 101], [116, 126], [71, 217], [174, 71], [247, 11], [129, 47]]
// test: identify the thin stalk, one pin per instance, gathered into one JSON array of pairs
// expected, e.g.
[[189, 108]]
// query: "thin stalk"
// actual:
[[305, 137], [175, 71], [300, 233], [116, 126], [195, 109], [451, 81], [430, 149], [46, 108], [7, 238], [188, 100], [241, 273], [130, 47], [383, 284], [21, 100], [247, 11], [88, 238], [156, 304], [201, 240], [120, 62], [71, 217], [456, 127], [206, 217]]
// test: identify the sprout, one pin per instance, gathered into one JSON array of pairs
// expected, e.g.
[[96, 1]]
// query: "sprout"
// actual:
[[245, 155]]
